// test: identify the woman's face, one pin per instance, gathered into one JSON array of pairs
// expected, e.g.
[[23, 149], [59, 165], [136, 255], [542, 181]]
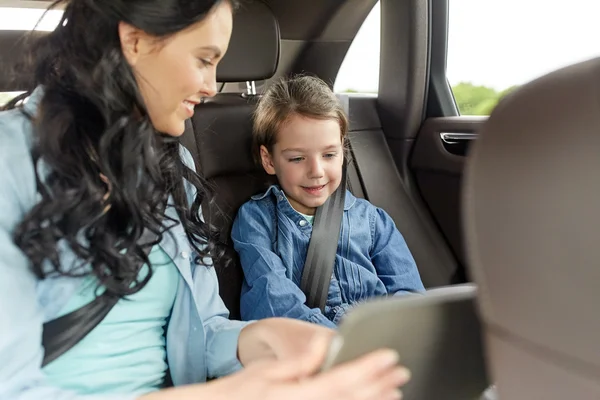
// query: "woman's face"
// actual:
[[175, 74]]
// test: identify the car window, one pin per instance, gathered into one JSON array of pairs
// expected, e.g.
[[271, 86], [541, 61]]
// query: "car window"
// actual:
[[359, 71], [5, 97], [497, 45], [26, 19]]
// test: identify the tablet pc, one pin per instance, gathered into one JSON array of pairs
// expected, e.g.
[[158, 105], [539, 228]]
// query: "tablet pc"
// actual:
[[437, 335]]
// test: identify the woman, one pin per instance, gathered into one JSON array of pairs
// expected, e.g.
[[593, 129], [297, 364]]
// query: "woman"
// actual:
[[87, 164]]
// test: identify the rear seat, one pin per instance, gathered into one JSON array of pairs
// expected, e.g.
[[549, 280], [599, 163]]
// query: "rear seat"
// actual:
[[219, 138], [222, 129]]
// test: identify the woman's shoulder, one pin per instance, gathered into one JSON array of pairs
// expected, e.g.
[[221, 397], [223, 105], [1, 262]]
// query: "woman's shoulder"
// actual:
[[16, 133], [17, 174], [16, 126]]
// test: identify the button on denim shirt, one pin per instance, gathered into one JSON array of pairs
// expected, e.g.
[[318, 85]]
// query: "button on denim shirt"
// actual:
[[201, 341], [272, 240]]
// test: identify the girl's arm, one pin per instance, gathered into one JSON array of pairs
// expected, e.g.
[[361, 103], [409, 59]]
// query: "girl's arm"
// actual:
[[391, 257]]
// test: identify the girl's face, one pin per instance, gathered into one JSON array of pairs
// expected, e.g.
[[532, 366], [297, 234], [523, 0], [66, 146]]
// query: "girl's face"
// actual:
[[307, 160], [175, 74]]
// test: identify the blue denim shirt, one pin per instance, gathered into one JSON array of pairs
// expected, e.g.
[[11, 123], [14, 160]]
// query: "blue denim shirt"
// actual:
[[201, 341], [272, 240]]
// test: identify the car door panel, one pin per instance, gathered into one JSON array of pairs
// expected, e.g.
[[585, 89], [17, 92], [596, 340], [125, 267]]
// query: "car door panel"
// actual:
[[437, 162]]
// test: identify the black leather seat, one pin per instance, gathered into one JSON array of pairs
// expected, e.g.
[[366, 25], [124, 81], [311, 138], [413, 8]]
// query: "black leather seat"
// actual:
[[532, 191], [219, 135], [223, 129]]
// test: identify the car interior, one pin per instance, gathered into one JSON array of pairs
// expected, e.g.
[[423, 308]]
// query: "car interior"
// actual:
[[409, 149]]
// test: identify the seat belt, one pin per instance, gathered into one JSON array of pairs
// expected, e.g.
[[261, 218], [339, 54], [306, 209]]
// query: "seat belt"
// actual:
[[322, 247], [61, 334]]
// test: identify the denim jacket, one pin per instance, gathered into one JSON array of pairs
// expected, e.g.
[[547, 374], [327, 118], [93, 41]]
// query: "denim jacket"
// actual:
[[272, 240], [201, 342]]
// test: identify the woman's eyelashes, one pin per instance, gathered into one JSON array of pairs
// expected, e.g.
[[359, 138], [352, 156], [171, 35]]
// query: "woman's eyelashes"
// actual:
[[206, 62]]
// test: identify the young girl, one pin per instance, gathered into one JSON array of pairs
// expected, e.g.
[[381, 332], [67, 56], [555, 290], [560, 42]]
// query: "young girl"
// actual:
[[299, 133], [86, 165]]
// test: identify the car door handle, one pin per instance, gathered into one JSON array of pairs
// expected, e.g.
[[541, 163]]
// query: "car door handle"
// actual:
[[457, 137]]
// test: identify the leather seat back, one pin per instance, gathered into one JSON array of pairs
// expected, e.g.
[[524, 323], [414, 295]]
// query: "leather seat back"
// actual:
[[222, 133], [533, 232]]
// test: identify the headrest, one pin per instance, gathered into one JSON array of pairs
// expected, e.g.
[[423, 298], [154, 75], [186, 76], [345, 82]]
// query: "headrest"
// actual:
[[223, 126], [532, 220], [12, 44], [253, 52]]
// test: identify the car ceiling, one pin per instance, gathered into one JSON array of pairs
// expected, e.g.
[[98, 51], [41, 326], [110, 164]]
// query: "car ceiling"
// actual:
[[316, 34]]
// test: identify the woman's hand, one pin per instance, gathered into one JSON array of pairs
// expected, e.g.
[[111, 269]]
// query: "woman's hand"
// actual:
[[376, 376], [278, 338]]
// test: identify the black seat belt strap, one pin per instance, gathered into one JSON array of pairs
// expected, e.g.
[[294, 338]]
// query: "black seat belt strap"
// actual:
[[322, 247], [61, 334]]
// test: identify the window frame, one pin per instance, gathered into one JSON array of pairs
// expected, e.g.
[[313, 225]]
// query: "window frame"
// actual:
[[440, 98]]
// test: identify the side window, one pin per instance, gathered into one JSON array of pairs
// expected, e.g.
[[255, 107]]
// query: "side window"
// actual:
[[359, 72], [496, 45], [5, 97], [25, 19]]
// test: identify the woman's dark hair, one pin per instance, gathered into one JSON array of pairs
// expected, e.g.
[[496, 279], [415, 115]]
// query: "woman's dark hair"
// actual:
[[110, 172]]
